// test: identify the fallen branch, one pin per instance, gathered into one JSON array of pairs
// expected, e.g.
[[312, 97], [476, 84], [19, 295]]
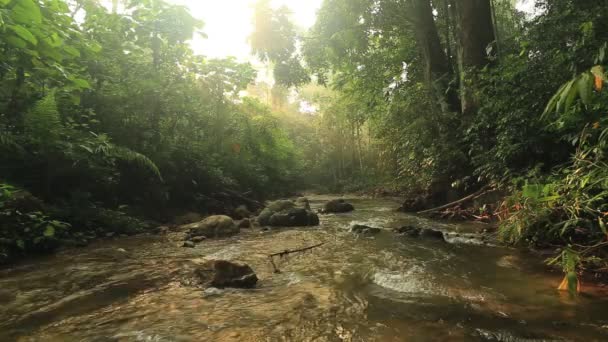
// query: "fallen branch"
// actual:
[[287, 252], [449, 205]]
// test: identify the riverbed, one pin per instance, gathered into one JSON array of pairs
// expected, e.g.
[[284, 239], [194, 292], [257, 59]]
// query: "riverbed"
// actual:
[[352, 288]]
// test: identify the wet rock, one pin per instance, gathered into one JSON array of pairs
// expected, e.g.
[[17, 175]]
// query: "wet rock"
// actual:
[[338, 206], [189, 244], [431, 234], [410, 231], [286, 213], [198, 239], [364, 230], [427, 233], [245, 223], [213, 227], [222, 274], [272, 208]]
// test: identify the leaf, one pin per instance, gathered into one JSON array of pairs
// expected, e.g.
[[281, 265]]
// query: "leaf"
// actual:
[[81, 83], [4, 2], [27, 12], [565, 97], [584, 88], [16, 42], [49, 231], [603, 226], [24, 33], [21, 244], [552, 105], [71, 51]]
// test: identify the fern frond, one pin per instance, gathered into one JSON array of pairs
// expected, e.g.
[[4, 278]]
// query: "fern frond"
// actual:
[[130, 156], [43, 122]]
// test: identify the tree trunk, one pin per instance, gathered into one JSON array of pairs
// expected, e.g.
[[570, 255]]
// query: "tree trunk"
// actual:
[[437, 68], [475, 31]]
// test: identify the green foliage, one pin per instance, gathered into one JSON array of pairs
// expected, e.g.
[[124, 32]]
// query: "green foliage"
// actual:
[[116, 111], [25, 229]]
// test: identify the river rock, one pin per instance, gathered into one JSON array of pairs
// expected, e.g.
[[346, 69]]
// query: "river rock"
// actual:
[[213, 227], [198, 239], [432, 234], [285, 213], [222, 274], [189, 244], [427, 233], [338, 206], [364, 230], [410, 231]]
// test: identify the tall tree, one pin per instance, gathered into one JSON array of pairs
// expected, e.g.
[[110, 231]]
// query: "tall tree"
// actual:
[[476, 36], [438, 71]]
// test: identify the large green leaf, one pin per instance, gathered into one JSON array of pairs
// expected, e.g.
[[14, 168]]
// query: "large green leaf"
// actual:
[[81, 83], [585, 88], [26, 12], [16, 42], [71, 51], [49, 231], [24, 33]]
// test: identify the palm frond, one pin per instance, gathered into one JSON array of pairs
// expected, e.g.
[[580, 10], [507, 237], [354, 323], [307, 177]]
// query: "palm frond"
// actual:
[[130, 156]]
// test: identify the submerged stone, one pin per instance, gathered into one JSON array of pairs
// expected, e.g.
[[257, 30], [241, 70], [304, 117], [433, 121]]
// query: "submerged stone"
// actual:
[[364, 230], [222, 274]]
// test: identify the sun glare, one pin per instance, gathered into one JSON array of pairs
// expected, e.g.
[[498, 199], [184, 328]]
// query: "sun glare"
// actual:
[[228, 23]]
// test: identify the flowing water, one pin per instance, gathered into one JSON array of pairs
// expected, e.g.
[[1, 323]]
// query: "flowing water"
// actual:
[[381, 288]]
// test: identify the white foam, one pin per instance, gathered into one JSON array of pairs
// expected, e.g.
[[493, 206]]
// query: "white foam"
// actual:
[[411, 281]]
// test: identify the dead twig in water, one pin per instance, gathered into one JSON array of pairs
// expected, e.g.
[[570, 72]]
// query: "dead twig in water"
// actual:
[[287, 252]]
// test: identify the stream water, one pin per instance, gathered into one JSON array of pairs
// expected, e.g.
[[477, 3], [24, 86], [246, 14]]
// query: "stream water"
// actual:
[[381, 288]]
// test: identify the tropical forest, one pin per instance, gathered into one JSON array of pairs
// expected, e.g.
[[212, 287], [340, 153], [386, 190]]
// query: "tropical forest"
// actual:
[[320, 170]]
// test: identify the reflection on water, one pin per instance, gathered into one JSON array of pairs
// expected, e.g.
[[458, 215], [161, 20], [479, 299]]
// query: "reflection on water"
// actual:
[[382, 288]]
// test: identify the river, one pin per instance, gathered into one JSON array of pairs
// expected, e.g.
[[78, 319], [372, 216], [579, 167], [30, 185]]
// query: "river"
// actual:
[[352, 288]]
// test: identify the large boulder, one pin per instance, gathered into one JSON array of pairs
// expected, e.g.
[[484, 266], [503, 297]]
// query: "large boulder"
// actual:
[[285, 213], [222, 274], [272, 208], [338, 206], [213, 227]]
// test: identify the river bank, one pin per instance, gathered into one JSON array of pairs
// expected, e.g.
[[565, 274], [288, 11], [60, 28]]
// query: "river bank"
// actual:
[[381, 288]]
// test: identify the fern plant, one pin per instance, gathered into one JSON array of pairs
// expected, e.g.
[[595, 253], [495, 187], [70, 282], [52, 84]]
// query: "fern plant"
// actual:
[[43, 122], [102, 146]]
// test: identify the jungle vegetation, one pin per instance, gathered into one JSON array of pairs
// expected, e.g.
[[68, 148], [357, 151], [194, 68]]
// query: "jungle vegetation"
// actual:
[[108, 119]]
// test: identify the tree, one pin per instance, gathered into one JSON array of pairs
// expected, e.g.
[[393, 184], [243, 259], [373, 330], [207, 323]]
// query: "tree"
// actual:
[[476, 46]]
